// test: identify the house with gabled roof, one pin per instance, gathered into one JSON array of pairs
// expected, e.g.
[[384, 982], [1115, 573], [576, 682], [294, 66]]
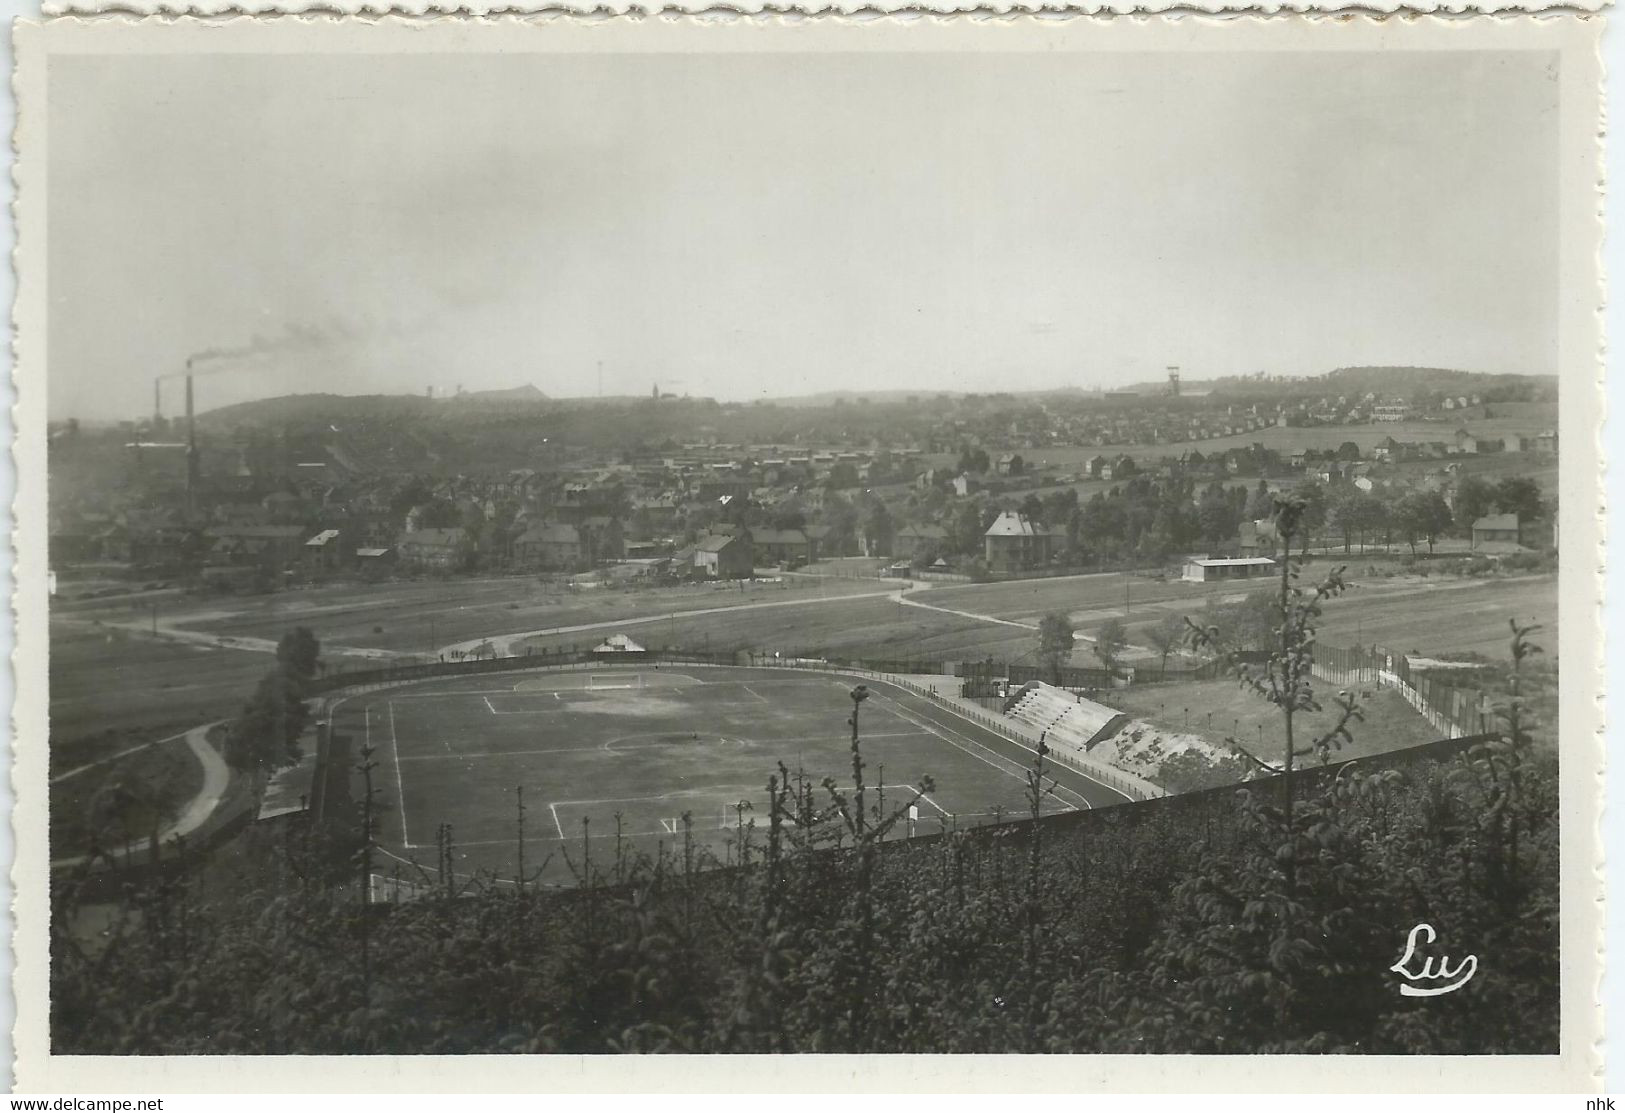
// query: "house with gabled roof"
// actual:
[[1016, 543]]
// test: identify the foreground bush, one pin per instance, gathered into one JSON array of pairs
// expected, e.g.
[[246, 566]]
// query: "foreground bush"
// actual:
[[1175, 933]]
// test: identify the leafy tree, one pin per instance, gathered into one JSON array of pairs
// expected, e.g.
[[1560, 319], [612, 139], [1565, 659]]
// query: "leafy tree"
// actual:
[[1475, 498], [265, 735], [438, 513], [1349, 512], [968, 530], [1312, 518], [1249, 625], [1110, 641], [1422, 514], [840, 517], [1058, 506], [1258, 503], [1055, 641], [843, 477], [1218, 517], [1520, 495], [926, 553], [125, 807], [299, 652], [1166, 636], [878, 525], [1287, 679], [973, 461], [1017, 465]]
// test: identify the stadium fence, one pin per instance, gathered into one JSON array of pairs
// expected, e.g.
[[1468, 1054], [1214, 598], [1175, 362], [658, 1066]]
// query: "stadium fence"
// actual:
[[1457, 710]]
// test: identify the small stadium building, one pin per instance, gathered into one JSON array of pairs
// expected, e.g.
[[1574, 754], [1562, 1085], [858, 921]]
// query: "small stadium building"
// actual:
[[1497, 529], [1203, 570]]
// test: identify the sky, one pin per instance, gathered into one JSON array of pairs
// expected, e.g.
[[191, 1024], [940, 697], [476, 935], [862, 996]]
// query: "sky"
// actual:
[[743, 227]]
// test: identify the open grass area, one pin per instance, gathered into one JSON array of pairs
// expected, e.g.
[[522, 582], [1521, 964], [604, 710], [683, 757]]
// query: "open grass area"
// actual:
[[169, 771], [417, 617], [1410, 613], [1221, 708], [120, 680], [1441, 616], [871, 627], [1084, 597], [638, 748]]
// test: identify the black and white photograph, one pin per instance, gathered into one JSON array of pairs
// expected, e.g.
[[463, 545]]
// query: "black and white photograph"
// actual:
[[753, 538]]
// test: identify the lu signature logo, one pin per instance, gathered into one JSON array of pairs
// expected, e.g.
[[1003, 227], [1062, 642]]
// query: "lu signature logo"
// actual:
[[1462, 972]]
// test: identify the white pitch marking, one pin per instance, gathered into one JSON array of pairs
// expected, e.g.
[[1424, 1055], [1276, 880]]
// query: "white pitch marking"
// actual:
[[755, 693], [400, 785], [554, 808], [488, 704], [943, 733], [925, 797]]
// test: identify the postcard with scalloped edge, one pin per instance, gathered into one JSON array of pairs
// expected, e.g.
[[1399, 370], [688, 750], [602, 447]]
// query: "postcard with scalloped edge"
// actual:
[[689, 555]]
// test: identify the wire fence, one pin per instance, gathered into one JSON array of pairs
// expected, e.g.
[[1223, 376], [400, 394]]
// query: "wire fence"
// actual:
[[1457, 710]]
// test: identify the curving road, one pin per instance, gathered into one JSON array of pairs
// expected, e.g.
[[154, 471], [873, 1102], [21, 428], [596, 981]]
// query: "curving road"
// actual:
[[216, 777]]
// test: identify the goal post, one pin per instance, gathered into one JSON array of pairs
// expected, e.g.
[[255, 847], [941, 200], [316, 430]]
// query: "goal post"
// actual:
[[611, 681]]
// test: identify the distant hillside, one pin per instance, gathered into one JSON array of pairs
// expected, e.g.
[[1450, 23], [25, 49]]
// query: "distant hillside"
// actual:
[[830, 397], [1406, 382], [526, 393], [299, 409]]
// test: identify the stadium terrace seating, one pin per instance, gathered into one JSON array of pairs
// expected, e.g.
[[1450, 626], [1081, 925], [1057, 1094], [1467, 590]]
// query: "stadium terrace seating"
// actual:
[[1067, 722]]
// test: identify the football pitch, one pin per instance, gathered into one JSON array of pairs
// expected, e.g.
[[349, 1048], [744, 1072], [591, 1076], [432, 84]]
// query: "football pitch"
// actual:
[[635, 749]]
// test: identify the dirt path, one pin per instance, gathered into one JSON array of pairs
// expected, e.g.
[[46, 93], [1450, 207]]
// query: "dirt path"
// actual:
[[78, 769], [216, 777], [907, 602]]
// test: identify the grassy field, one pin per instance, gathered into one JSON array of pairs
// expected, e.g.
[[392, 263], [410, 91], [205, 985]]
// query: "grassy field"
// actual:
[[118, 681], [419, 616], [873, 627], [700, 742], [1083, 597], [1444, 616], [1219, 708], [1410, 613]]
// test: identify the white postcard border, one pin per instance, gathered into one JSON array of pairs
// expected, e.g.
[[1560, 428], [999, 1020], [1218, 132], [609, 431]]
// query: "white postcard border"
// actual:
[[1576, 1068]]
